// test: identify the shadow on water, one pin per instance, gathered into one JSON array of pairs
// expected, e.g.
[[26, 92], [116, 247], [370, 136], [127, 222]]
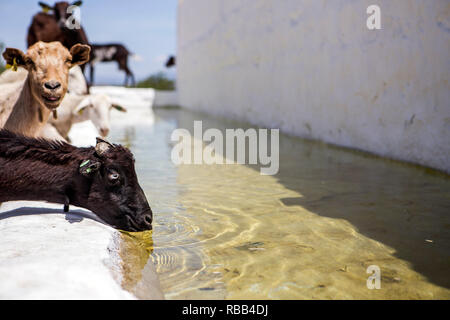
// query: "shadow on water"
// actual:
[[402, 206]]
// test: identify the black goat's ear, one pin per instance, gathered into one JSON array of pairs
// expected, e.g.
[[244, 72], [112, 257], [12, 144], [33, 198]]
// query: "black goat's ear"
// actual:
[[88, 167], [77, 3]]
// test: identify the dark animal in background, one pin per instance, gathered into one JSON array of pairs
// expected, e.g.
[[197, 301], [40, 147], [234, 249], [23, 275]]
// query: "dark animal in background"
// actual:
[[171, 62], [53, 26], [101, 179], [111, 52]]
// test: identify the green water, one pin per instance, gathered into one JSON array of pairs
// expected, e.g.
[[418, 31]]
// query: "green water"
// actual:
[[309, 232]]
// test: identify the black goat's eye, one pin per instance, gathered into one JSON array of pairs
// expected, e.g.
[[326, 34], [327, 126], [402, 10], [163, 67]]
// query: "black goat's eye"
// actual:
[[113, 176]]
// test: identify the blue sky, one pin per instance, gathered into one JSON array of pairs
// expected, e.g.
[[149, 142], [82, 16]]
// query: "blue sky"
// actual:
[[145, 27]]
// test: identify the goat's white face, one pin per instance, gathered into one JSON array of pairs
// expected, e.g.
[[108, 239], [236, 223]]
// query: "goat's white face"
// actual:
[[97, 109], [99, 113]]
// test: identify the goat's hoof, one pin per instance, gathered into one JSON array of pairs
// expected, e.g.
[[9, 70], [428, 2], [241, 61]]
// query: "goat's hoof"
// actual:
[[66, 208]]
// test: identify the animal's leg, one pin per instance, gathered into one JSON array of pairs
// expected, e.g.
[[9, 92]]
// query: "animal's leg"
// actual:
[[126, 80], [129, 75], [123, 65], [91, 76], [132, 79], [66, 204]]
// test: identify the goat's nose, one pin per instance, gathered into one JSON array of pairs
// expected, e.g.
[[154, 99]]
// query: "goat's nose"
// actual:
[[147, 220], [104, 132], [52, 85]]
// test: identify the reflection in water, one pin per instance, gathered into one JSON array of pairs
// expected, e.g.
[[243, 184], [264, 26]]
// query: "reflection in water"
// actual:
[[311, 231], [129, 135], [135, 249]]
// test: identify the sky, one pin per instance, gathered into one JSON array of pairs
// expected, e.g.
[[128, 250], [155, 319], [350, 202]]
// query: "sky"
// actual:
[[146, 27]]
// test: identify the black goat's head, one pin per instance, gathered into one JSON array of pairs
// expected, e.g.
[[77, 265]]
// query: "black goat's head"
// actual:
[[115, 194]]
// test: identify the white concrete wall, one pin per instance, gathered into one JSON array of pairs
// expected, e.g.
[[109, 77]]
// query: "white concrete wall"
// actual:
[[313, 69]]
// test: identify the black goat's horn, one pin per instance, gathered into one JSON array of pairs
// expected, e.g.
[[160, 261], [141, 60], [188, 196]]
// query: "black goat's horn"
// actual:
[[102, 146]]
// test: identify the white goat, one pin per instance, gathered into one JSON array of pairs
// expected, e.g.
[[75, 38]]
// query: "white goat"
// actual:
[[77, 82], [79, 108], [10, 76]]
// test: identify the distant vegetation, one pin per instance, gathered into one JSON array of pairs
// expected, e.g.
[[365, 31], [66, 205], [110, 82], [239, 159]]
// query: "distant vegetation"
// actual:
[[158, 81]]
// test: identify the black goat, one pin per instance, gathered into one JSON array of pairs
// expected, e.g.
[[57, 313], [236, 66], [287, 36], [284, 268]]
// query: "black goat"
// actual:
[[101, 179]]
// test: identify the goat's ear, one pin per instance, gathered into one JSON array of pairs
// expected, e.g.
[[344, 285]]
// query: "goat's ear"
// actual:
[[88, 167], [80, 110], [86, 102], [77, 3], [15, 58], [102, 147], [45, 7], [118, 108], [80, 54]]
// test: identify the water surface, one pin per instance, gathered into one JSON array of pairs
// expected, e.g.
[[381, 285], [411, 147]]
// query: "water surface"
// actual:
[[309, 232]]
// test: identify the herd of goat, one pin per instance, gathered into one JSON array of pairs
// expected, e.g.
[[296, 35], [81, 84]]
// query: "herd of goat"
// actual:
[[41, 95]]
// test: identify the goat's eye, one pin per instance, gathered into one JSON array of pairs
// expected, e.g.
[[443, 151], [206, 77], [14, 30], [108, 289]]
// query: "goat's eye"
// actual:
[[113, 176]]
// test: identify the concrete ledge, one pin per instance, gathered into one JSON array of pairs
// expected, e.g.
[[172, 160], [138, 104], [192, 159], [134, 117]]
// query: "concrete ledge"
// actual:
[[46, 254], [127, 96]]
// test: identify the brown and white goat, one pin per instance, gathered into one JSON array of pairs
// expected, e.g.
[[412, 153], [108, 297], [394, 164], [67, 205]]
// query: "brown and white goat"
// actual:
[[48, 67], [111, 52], [102, 179]]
